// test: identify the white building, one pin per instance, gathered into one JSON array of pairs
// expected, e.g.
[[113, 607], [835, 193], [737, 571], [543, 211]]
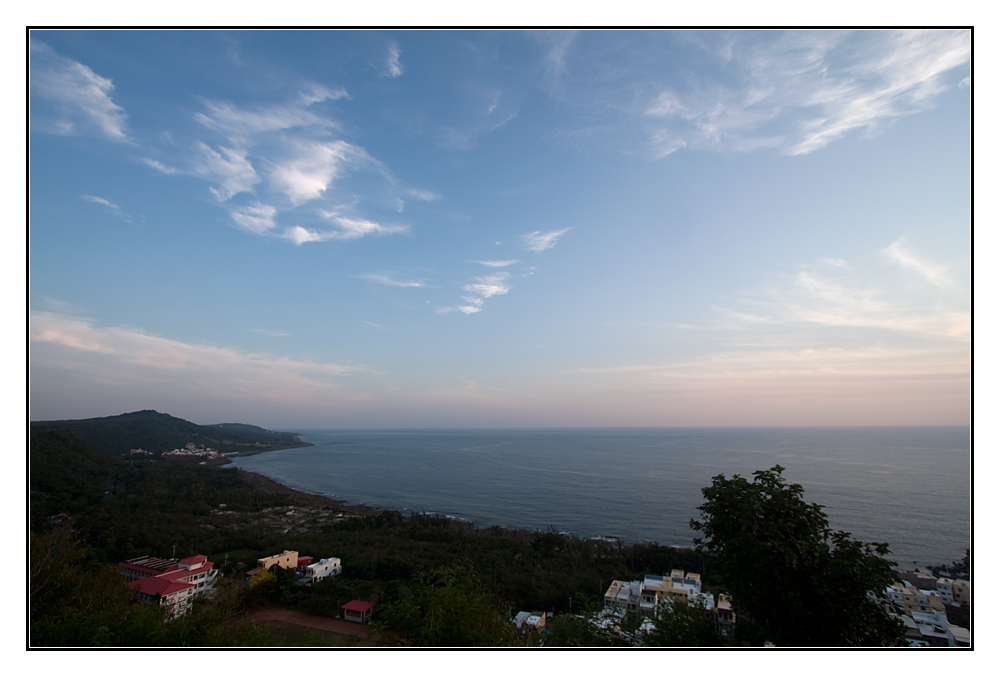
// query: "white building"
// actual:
[[321, 569], [170, 583], [946, 590]]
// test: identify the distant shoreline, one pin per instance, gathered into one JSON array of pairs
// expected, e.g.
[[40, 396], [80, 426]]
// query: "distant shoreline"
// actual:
[[367, 509]]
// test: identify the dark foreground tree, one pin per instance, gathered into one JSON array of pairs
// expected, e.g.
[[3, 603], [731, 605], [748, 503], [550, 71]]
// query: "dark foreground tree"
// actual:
[[793, 581], [677, 622]]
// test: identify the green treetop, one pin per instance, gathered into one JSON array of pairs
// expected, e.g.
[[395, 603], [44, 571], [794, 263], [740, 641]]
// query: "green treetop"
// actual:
[[793, 581]]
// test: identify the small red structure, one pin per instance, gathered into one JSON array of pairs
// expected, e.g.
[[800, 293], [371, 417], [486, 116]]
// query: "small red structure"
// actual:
[[304, 561], [358, 611]]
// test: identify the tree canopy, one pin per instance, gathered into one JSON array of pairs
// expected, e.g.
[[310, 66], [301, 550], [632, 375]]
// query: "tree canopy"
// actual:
[[793, 580]]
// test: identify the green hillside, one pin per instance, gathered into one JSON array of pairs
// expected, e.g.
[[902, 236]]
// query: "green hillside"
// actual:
[[156, 432]]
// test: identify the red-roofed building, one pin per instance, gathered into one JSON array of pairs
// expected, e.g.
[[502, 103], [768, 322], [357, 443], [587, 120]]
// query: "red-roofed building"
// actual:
[[358, 611], [170, 583]]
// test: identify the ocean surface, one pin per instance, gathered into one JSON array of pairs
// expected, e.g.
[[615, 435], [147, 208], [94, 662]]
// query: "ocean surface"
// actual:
[[909, 487]]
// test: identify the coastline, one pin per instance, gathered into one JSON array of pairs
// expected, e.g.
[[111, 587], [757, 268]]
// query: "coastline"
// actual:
[[363, 510]]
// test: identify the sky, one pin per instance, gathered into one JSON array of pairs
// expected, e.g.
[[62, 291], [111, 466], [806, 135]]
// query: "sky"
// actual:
[[501, 229]]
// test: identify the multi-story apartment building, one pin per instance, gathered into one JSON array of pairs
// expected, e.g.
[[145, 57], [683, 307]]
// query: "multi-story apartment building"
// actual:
[[963, 592], [171, 583]]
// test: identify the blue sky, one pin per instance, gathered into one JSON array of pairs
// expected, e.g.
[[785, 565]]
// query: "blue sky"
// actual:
[[368, 229]]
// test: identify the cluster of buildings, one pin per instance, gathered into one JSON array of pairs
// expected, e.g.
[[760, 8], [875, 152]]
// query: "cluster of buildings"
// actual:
[[191, 450], [922, 602], [170, 583], [643, 597], [309, 570]]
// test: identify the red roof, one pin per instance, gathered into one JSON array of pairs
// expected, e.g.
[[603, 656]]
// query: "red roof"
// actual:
[[156, 585], [193, 560], [357, 605]]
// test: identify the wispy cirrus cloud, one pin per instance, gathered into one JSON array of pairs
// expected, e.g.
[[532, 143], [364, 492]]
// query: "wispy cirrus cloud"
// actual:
[[159, 166], [133, 347], [110, 206], [936, 273], [423, 195], [480, 289], [125, 366], [271, 160], [76, 99], [539, 241], [257, 218], [800, 91], [498, 264], [241, 125], [393, 68], [349, 228], [390, 281], [832, 294], [229, 168]]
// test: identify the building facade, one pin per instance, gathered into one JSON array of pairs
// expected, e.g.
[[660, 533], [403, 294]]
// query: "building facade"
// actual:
[[173, 584]]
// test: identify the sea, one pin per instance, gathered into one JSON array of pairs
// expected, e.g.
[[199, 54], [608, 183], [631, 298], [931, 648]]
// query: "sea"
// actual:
[[908, 487]]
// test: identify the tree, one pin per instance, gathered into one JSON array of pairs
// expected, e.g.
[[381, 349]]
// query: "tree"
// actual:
[[450, 607], [793, 581], [677, 622]]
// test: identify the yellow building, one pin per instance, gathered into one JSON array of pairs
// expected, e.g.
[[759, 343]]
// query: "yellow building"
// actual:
[[289, 559], [963, 592]]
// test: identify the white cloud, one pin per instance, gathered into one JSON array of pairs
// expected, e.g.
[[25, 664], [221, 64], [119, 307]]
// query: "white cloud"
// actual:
[[300, 235], [935, 273], [799, 91], [229, 168], [109, 205], [837, 296], [393, 69], [309, 172], [257, 218], [498, 264], [424, 195], [351, 228], [242, 125], [159, 166], [81, 98], [483, 288], [539, 241], [121, 359], [388, 281]]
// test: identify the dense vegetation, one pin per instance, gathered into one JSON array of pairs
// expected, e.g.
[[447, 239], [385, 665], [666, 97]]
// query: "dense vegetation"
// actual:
[[434, 581], [156, 432], [793, 580]]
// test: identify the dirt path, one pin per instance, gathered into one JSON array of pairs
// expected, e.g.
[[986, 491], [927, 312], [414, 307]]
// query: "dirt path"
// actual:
[[316, 622]]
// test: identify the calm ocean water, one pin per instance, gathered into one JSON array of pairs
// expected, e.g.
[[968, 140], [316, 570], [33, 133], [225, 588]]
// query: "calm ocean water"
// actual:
[[909, 487]]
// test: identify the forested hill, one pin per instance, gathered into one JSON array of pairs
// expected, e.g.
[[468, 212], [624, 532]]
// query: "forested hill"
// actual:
[[156, 433]]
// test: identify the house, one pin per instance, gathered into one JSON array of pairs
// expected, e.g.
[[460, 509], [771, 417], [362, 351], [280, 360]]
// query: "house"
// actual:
[[289, 559], [357, 611], [529, 620], [934, 628], [726, 616], [643, 596], [963, 592], [320, 570], [170, 583], [945, 588], [962, 636]]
